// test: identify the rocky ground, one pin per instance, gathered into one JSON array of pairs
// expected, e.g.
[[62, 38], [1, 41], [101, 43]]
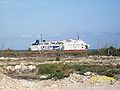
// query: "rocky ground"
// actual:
[[74, 82]]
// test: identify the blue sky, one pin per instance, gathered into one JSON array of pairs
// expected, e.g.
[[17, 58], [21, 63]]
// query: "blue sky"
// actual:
[[22, 21]]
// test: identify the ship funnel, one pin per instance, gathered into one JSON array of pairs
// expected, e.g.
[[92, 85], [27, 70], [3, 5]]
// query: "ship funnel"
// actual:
[[37, 42]]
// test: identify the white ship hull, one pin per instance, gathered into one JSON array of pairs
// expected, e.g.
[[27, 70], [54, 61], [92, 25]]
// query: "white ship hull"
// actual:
[[65, 45]]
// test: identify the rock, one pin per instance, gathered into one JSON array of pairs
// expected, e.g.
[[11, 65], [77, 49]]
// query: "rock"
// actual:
[[1, 70], [2, 58], [74, 78], [10, 68], [88, 74], [43, 77], [54, 85], [31, 67], [23, 68], [17, 67]]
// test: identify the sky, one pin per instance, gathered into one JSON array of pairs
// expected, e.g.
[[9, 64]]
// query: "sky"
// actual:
[[97, 22]]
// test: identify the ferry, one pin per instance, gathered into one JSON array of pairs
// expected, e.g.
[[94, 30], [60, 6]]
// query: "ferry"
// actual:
[[65, 45]]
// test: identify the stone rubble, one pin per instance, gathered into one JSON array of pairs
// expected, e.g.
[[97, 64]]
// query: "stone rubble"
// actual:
[[74, 82], [20, 68]]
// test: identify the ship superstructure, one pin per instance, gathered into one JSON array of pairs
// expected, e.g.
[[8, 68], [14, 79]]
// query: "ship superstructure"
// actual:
[[65, 45]]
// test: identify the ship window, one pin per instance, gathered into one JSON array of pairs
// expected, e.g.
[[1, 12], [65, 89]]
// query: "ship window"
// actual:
[[56, 47], [53, 43], [59, 43], [43, 40]]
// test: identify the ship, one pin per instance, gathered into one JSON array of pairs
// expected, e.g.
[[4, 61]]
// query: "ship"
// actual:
[[68, 45]]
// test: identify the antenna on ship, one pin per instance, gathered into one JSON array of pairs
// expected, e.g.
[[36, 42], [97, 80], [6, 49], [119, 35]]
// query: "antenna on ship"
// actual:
[[41, 37], [78, 37]]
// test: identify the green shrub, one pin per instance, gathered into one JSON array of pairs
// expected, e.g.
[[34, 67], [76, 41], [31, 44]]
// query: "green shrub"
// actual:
[[58, 74], [57, 59], [109, 74], [107, 70], [50, 60], [59, 71], [55, 71], [45, 69]]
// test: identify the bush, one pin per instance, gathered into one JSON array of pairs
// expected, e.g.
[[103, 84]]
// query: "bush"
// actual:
[[50, 60], [59, 71], [57, 59], [55, 71], [45, 69], [107, 70], [109, 74], [58, 74]]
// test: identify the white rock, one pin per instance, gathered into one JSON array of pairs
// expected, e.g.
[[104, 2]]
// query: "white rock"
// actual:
[[87, 73], [43, 76], [17, 67], [10, 68], [23, 68], [31, 67], [2, 58]]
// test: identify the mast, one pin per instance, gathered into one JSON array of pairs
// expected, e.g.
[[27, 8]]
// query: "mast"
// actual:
[[41, 37], [78, 37]]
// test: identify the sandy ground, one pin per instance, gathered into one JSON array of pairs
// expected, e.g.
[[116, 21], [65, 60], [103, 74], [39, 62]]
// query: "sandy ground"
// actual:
[[74, 82]]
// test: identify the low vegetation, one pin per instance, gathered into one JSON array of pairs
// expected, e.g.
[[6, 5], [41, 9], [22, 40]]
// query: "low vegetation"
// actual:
[[59, 53], [59, 71], [57, 59], [110, 51], [107, 70], [56, 71]]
